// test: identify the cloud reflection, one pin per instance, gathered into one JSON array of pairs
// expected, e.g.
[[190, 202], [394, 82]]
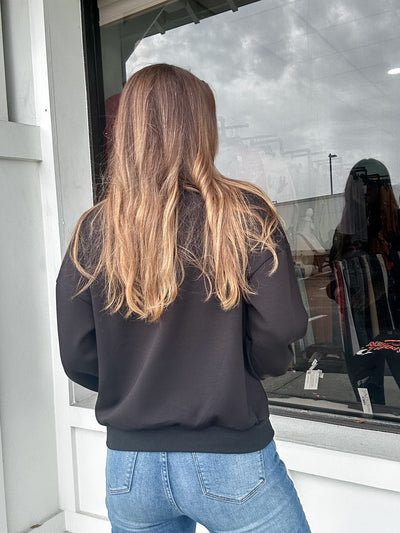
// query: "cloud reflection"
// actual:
[[309, 73]]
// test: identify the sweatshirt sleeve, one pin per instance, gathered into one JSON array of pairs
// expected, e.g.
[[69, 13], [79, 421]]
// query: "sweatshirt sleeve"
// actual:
[[76, 328], [275, 316]]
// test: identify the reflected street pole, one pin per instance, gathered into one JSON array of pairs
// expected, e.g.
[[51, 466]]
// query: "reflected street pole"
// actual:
[[330, 170]]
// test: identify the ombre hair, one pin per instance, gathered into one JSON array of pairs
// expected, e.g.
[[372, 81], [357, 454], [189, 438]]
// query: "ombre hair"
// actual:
[[165, 142]]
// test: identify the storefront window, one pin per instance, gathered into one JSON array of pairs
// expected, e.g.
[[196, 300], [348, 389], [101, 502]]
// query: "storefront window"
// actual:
[[309, 111]]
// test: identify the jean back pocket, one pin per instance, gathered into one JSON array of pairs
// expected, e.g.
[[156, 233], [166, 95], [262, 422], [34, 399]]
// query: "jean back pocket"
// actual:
[[119, 470], [230, 477]]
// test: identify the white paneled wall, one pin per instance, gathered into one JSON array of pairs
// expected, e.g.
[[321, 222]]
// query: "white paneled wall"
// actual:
[[35, 431], [26, 377], [333, 506], [340, 491], [89, 457]]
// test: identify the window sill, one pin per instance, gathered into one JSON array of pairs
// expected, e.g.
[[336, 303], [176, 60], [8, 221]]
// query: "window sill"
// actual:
[[378, 439], [316, 448]]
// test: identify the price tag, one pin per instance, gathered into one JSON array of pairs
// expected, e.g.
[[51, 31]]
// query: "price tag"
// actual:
[[365, 400], [312, 379]]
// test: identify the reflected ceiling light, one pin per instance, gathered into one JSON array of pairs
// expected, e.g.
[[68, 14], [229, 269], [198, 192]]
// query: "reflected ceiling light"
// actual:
[[394, 71]]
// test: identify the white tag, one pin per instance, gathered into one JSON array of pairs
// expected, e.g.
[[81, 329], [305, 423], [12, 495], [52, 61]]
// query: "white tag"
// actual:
[[363, 351], [365, 400], [314, 364], [312, 378]]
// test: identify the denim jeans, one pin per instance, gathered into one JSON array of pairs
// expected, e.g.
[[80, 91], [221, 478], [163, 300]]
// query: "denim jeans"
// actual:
[[171, 491]]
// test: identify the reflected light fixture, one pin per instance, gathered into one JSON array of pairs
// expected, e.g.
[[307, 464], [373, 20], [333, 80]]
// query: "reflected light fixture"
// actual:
[[394, 71]]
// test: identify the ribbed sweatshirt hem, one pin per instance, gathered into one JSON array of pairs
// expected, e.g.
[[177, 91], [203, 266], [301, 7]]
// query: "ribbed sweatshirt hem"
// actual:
[[212, 439]]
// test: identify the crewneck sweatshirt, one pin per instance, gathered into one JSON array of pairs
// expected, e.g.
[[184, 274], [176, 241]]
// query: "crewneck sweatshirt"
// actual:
[[192, 380]]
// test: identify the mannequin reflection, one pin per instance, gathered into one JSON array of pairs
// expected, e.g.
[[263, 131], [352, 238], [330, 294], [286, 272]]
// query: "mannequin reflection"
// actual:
[[365, 263]]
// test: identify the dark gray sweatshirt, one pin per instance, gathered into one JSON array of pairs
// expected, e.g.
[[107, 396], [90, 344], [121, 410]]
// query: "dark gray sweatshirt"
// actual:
[[190, 382]]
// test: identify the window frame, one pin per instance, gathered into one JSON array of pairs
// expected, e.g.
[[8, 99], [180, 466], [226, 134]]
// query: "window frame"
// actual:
[[94, 90], [3, 89], [95, 94]]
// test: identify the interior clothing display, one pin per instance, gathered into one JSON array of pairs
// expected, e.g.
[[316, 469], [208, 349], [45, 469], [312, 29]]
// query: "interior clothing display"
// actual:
[[308, 337], [367, 367], [327, 213], [363, 292], [191, 381]]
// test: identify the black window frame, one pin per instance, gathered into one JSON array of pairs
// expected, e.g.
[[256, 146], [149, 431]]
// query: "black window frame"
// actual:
[[94, 91]]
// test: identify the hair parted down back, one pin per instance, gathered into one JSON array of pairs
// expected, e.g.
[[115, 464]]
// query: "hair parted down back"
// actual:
[[165, 141]]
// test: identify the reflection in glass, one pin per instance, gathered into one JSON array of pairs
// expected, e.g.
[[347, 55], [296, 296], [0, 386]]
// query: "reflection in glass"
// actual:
[[365, 261], [302, 93]]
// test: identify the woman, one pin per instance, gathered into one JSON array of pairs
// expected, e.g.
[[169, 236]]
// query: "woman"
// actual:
[[366, 278], [177, 296]]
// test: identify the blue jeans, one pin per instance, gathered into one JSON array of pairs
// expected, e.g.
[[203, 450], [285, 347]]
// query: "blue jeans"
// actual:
[[170, 491]]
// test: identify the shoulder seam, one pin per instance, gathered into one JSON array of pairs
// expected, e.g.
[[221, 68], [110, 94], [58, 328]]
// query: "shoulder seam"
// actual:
[[89, 302]]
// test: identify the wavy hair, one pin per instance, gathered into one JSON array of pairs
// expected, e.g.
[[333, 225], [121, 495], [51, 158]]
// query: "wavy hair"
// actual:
[[165, 142]]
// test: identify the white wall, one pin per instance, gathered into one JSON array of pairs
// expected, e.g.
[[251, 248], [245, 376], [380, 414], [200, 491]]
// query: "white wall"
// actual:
[[44, 166], [69, 114], [26, 392], [333, 506], [3, 93], [26, 395], [18, 57], [340, 491]]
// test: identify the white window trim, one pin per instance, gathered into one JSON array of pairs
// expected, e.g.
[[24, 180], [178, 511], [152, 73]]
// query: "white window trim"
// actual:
[[352, 455], [3, 516], [111, 11], [3, 94], [20, 141]]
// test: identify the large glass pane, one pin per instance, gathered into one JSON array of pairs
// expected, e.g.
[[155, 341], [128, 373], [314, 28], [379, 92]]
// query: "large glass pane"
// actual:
[[308, 111]]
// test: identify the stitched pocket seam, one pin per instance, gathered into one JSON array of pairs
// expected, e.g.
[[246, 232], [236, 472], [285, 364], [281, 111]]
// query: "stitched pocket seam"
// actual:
[[128, 475], [209, 494]]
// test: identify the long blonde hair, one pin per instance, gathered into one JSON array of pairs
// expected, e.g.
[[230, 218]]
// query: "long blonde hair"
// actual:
[[165, 141]]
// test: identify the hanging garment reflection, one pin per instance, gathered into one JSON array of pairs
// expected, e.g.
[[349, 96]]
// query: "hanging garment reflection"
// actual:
[[365, 263]]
